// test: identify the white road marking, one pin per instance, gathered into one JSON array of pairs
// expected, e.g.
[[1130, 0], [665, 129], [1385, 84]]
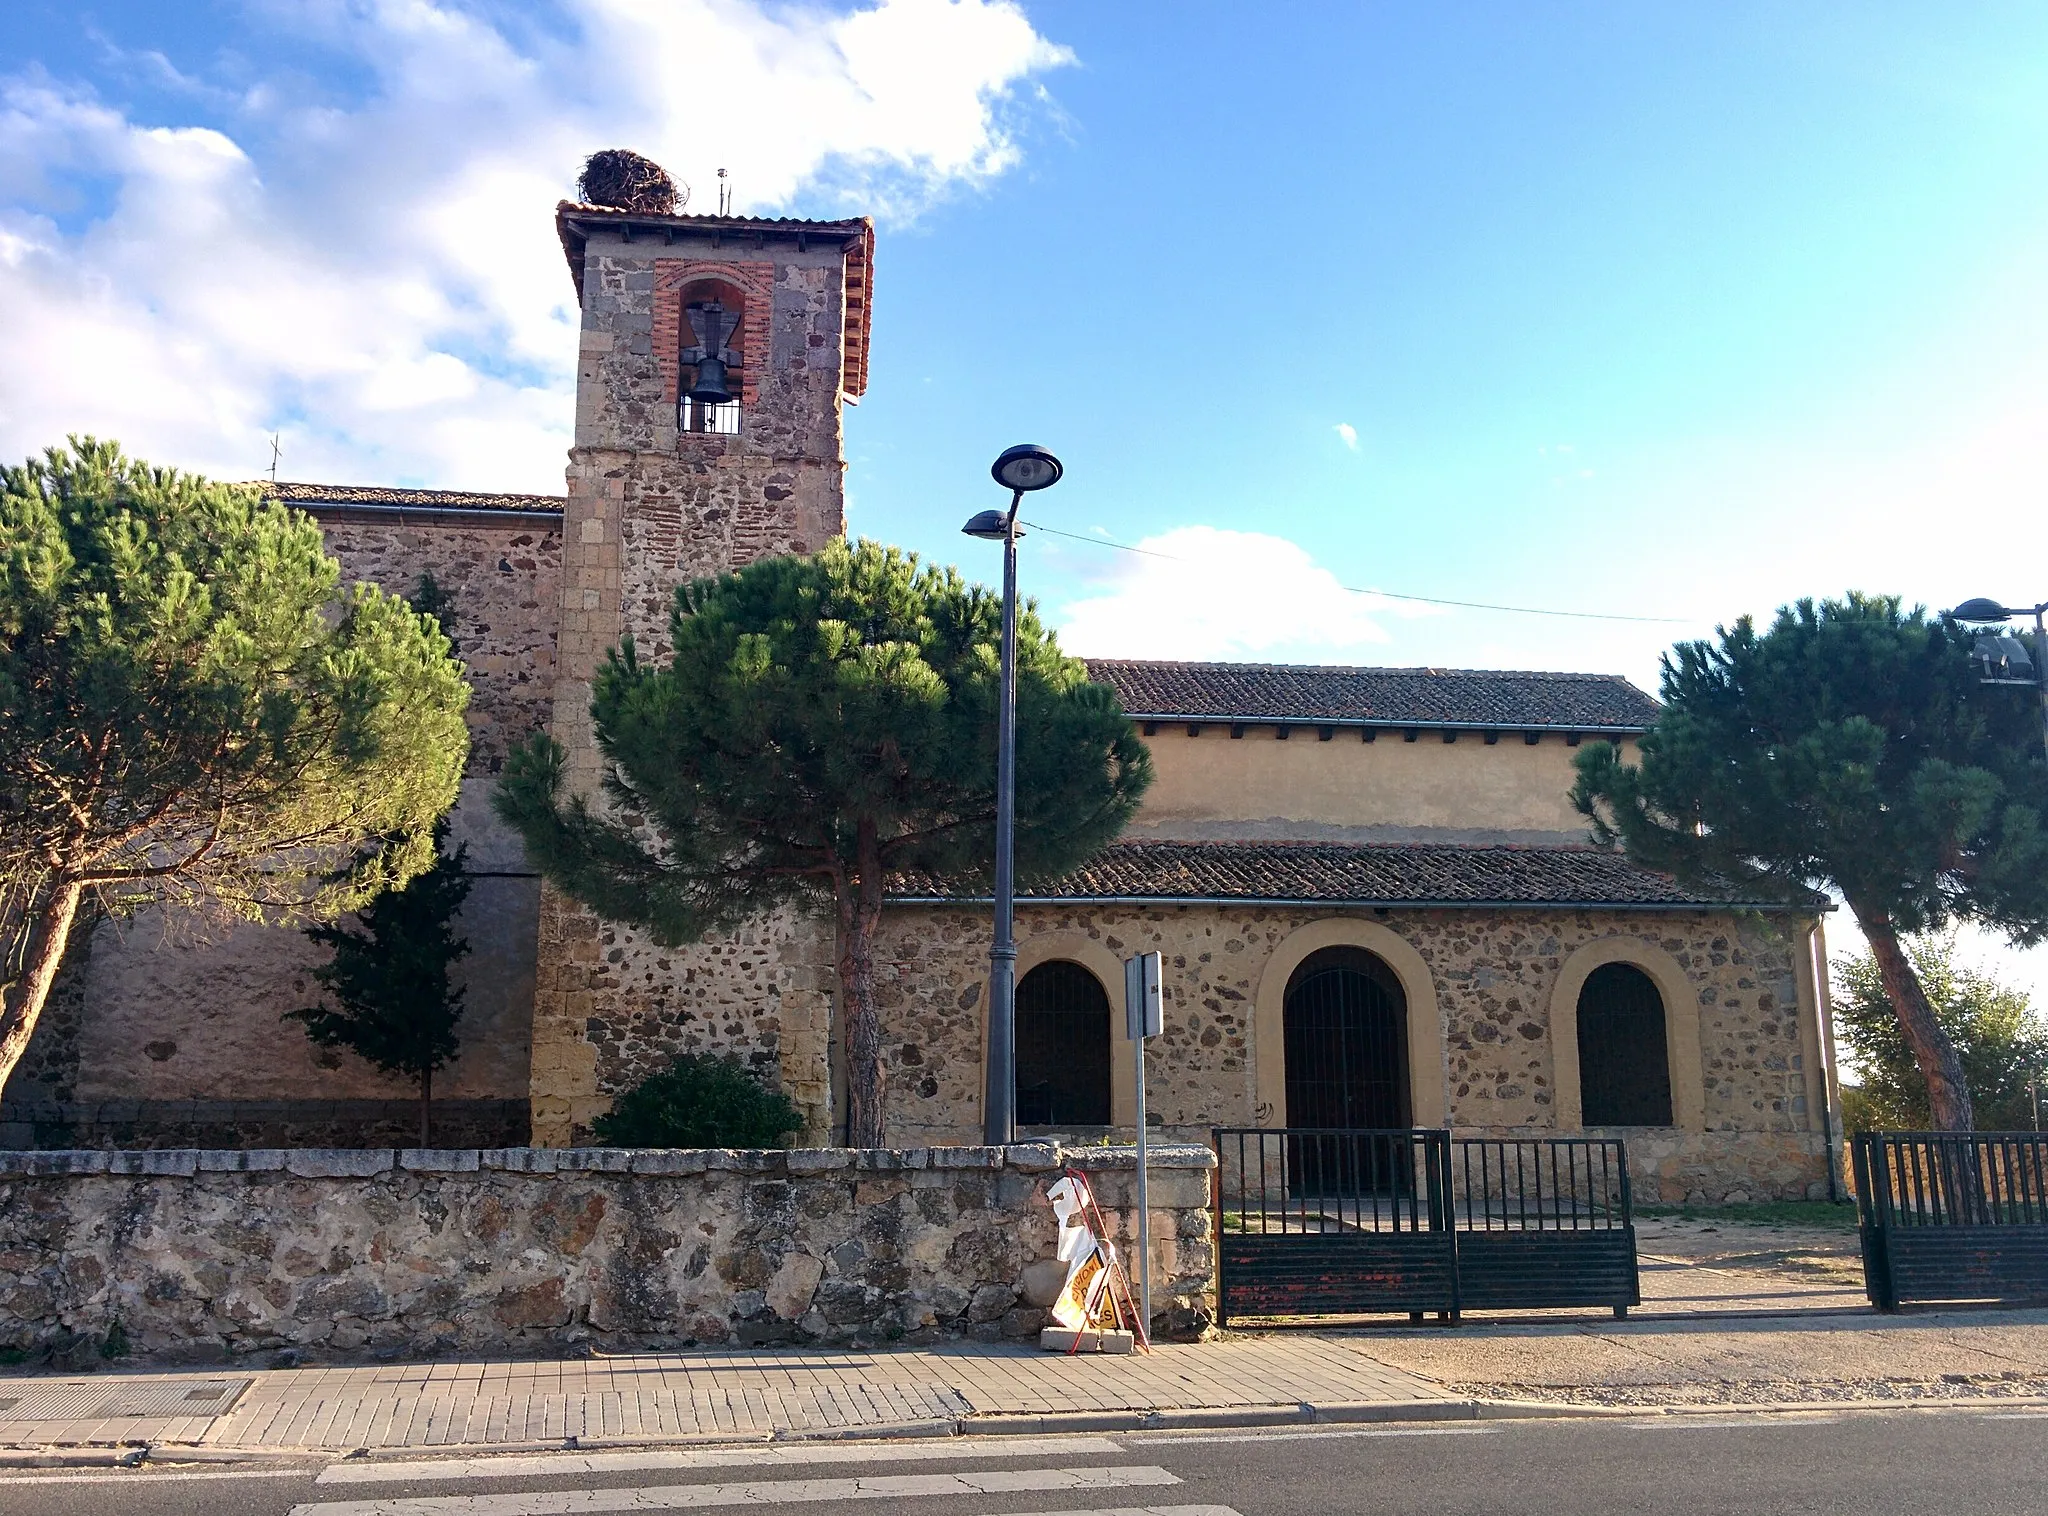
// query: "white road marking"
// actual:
[[771, 1455], [1284, 1434], [148, 1475], [1773, 1419], [675, 1497]]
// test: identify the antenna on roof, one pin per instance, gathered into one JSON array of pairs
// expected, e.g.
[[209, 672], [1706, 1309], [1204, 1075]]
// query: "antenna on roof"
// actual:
[[275, 450], [724, 195]]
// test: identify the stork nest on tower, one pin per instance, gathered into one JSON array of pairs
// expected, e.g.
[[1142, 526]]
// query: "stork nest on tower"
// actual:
[[628, 182]]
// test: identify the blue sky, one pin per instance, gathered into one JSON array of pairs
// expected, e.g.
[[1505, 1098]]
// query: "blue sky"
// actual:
[[1672, 311]]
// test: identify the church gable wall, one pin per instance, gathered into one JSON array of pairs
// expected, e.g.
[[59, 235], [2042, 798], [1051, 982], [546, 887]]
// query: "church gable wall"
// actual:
[[161, 1010]]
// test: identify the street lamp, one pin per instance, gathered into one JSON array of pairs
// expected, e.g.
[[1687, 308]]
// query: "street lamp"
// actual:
[[1019, 470], [1983, 612]]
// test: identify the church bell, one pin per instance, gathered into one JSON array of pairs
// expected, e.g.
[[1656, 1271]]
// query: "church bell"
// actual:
[[710, 387]]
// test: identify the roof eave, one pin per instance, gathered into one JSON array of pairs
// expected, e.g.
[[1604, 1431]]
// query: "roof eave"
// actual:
[[1391, 723], [442, 515], [1774, 907]]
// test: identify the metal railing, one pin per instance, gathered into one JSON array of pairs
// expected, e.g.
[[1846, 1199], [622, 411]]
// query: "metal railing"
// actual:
[[1311, 1181], [1535, 1184], [1952, 1179]]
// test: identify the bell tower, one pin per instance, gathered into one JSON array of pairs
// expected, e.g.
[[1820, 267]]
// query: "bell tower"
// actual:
[[715, 354]]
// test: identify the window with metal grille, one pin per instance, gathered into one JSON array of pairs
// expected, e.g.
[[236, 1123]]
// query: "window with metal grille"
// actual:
[[1062, 1047], [713, 420], [1346, 1022], [1624, 1063]]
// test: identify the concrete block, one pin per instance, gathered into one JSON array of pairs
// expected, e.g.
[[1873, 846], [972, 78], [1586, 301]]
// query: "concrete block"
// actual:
[[967, 1157], [1032, 1157], [1062, 1340], [520, 1160], [668, 1160], [891, 1159], [339, 1163], [180, 1163], [64, 1161], [440, 1160], [593, 1160], [744, 1160], [818, 1160]]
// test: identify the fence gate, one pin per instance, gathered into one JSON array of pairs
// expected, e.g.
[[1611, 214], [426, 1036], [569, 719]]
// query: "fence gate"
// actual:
[[1949, 1216], [1329, 1222]]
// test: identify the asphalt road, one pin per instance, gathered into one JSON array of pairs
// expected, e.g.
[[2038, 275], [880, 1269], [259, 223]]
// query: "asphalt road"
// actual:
[[1955, 1463]]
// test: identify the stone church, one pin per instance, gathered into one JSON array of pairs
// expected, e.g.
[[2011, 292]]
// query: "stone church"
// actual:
[[1375, 903]]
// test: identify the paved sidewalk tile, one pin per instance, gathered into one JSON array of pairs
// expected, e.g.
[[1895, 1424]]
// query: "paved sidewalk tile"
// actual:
[[739, 1394]]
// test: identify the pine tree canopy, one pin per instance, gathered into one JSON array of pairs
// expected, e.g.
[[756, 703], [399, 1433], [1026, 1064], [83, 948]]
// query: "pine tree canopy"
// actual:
[[193, 710], [823, 725], [1850, 746], [809, 703]]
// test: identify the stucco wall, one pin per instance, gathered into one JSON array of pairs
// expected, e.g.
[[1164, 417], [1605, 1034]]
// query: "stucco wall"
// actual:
[[209, 1255], [1217, 786]]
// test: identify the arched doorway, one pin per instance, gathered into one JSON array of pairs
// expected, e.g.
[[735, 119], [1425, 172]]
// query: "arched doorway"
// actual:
[[1346, 1022], [1063, 1036]]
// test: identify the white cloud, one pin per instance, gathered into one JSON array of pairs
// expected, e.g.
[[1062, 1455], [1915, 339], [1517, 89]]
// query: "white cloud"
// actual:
[[1348, 435], [381, 282], [1201, 592]]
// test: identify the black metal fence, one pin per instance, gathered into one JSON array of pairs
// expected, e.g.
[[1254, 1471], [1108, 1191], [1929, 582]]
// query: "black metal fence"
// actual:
[[1952, 1216], [1344, 1222]]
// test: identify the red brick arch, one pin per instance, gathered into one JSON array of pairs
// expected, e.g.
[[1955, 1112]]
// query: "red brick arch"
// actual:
[[676, 284]]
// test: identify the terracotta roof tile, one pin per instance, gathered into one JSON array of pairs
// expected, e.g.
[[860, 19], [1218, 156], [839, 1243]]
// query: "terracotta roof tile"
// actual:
[[1406, 874], [1376, 696]]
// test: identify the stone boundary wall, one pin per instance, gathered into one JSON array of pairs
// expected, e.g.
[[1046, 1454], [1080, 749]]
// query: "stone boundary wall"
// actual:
[[274, 1257], [458, 1122]]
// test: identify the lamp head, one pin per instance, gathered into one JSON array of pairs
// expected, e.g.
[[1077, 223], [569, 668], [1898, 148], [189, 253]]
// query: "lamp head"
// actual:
[[1982, 610], [1026, 467], [990, 526]]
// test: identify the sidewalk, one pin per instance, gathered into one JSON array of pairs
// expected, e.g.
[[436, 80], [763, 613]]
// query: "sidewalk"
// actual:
[[702, 1394]]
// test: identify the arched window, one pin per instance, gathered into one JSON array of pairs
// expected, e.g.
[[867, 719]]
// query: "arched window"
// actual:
[[713, 357], [1062, 1047], [1624, 1063]]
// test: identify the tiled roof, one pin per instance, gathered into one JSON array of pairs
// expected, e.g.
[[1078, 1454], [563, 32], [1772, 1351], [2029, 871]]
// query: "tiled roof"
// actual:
[[856, 237], [1373, 696], [377, 496], [1394, 874]]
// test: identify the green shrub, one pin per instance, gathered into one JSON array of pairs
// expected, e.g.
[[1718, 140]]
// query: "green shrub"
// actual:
[[700, 1102]]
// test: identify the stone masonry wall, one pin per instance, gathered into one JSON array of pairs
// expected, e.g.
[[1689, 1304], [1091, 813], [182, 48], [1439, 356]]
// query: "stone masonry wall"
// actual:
[[161, 1010], [271, 1257], [1493, 971], [650, 507]]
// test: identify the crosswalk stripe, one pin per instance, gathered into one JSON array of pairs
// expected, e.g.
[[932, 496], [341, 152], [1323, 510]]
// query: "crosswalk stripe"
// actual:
[[772, 1455], [750, 1492], [1454, 1429]]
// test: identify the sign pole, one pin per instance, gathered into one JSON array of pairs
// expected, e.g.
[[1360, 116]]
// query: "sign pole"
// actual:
[[1144, 1016]]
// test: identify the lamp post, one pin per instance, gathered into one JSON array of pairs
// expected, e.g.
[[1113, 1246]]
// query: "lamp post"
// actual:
[[1019, 470], [1983, 612]]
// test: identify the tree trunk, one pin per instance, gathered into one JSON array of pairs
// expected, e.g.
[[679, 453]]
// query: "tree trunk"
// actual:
[[43, 931], [1948, 1092], [860, 910], [426, 1108]]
